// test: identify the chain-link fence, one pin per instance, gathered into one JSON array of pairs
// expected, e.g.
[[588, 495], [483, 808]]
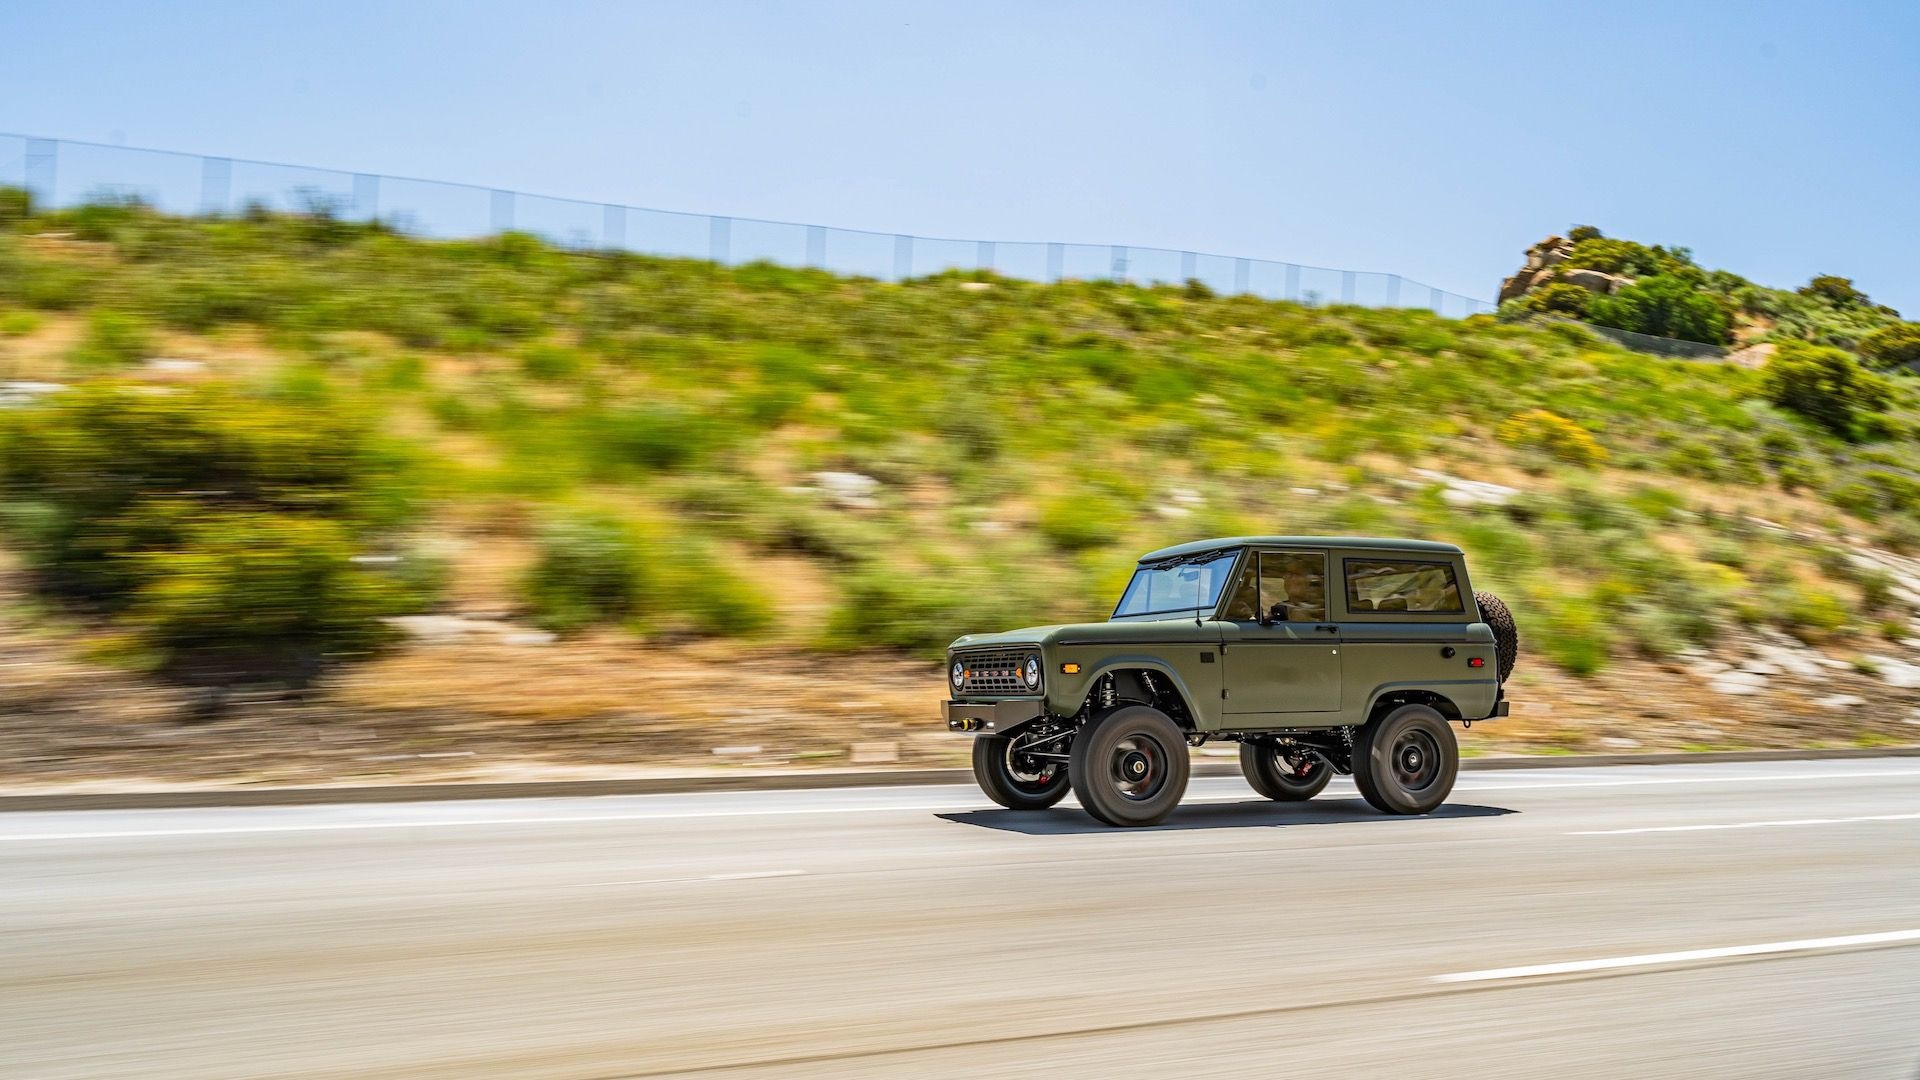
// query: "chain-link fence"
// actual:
[[1646, 343], [64, 172]]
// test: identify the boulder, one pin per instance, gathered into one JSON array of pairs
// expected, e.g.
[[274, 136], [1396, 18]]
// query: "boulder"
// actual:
[[849, 490], [1594, 280]]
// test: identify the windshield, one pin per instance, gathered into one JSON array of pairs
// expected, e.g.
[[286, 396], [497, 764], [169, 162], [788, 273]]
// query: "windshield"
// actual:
[[1172, 587]]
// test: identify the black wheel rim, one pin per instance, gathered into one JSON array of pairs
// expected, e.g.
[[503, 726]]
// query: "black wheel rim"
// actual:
[[1027, 773], [1416, 760], [1138, 767]]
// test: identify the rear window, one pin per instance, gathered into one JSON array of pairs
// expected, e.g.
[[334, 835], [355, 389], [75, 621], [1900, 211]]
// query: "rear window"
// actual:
[[1402, 585]]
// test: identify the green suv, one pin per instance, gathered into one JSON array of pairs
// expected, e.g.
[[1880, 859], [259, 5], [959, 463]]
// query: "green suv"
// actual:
[[1316, 654]]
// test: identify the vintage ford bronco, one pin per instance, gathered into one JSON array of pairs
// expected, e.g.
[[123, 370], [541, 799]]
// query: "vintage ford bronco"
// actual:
[[1316, 654]]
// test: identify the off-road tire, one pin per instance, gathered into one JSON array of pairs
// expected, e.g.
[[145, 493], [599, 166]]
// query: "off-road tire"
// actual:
[[996, 776], [1405, 761], [1506, 635], [1267, 773], [1129, 765]]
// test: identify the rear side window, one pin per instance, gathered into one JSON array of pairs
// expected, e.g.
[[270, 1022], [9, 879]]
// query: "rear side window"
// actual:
[[1402, 585]]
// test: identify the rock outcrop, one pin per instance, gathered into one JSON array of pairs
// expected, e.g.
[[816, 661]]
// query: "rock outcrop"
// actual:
[[1545, 265]]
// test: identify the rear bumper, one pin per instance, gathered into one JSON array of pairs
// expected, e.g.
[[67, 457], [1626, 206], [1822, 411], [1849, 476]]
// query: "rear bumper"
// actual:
[[1499, 709], [973, 717]]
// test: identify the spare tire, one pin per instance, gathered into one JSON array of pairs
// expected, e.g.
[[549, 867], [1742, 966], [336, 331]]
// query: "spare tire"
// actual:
[[1506, 636]]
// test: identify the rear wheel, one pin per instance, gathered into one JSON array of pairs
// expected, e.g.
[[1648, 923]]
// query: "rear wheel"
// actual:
[[1129, 765], [1015, 779], [1405, 761], [1284, 774]]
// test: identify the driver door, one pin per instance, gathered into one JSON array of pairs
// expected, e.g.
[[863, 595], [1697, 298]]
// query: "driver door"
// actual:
[[1282, 656]]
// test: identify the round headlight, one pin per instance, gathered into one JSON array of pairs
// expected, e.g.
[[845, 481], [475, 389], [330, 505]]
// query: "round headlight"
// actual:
[[958, 674], [1031, 672]]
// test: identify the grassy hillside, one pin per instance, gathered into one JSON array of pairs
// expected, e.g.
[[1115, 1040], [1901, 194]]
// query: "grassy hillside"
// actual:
[[656, 446]]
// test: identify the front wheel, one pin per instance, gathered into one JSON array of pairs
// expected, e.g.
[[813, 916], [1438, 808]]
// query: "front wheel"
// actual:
[[1129, 766], [1014, 779], [1405, 762], [1284, 774]]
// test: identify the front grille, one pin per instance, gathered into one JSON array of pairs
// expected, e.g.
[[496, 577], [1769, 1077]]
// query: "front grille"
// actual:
[[996, 672]]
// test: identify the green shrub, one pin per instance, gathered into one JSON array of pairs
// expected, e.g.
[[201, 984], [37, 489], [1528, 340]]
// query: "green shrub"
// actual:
[[1893, 346], [1835, 290], [1824, 385], [1559, 298], [707, 595], [1597, 252], [921, 609], [1555, 434], [113, 339], [1665, 306], [1081, 521], [244, 596], [1812, 615], [168, 512], [657, 436], [551, 363], [18, 323], [16, 206], [1571, 633], [590, 568]]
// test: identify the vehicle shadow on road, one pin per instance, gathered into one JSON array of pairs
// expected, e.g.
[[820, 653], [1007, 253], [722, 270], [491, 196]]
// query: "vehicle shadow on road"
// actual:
[[1252, 814]]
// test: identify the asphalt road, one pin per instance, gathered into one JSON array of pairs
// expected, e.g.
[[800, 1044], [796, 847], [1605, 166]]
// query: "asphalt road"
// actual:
[[1735, 920]]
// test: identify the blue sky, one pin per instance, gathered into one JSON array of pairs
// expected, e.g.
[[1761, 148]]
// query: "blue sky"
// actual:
[[1432, 140]]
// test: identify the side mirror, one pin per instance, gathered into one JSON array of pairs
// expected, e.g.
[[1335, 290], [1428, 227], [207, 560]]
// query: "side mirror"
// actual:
[[1277, 614]]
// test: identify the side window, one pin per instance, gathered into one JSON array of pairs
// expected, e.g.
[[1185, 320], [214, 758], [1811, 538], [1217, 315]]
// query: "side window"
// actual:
[[1293, 586], [1402, 585], [1244, 607]]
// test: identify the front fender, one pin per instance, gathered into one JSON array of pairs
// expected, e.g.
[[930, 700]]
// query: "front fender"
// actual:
[[1070, 692]]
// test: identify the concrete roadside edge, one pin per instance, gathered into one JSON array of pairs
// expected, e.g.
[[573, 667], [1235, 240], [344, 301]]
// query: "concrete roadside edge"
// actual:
[[780, 781]]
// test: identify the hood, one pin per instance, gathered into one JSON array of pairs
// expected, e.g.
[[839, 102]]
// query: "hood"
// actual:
[[1119, 630], [1032, 635]]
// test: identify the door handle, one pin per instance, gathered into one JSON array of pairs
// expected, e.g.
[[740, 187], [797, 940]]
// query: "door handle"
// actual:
[[1328, 628]]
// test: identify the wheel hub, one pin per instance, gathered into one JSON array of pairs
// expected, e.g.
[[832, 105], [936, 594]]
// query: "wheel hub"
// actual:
[[1414, 758], [1134, 765]]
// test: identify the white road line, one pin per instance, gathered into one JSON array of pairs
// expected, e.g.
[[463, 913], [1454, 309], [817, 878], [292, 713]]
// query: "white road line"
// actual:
[[750, 875], [1746, 825], [1652, 781], [1614, 963], [788, 810]]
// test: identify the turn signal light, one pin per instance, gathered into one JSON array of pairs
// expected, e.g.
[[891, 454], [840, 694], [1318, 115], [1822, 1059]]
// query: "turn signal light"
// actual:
[[1476, 662], [1069, 669]]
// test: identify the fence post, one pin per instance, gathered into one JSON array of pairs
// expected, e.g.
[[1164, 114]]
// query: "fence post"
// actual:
[[1393, 290], [1119, 256], [1056, 261], [817, 247], [1435, 299], [983, 254], [43, 157], [216, 184], [502, 211], [613, 227], [1242, 276], [1346, 286], [1189, 266], [902, 257], [719, 239], [1293, 283], [366, 196]]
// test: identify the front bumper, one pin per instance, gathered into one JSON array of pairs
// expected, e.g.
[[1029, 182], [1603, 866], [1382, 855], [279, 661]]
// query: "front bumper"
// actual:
[[985, 716]]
